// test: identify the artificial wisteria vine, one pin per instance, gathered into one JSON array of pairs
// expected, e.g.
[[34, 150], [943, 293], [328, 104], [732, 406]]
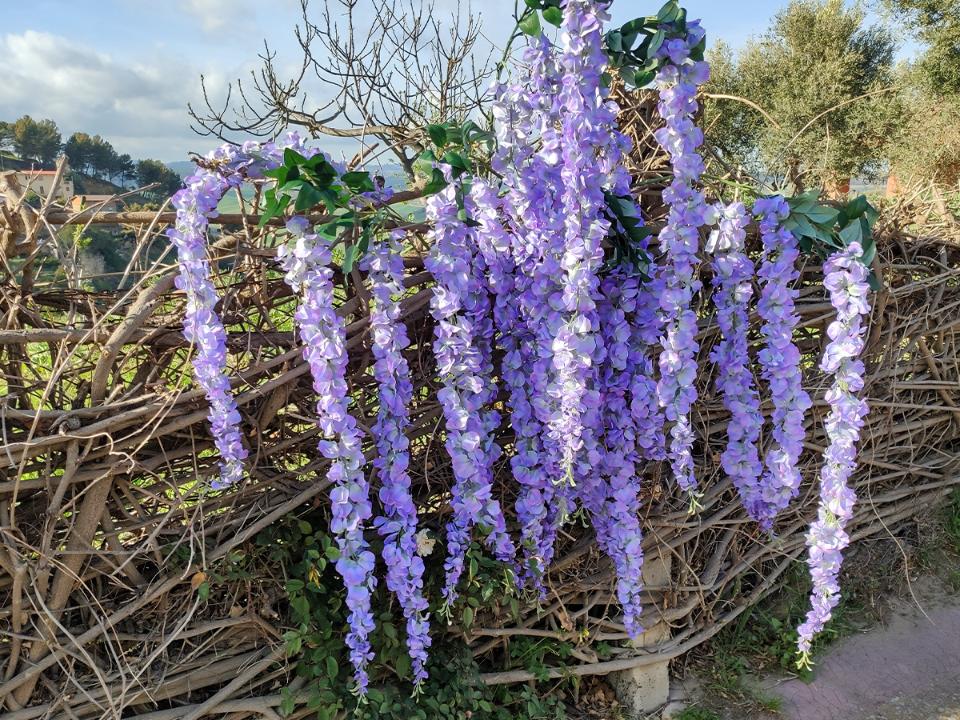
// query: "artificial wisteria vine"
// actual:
[[460, 306], [677, 82], [585, 124], [779, 360], [528, 157], [195, 205], [307, 267], [732, 279], [544, 282], [611, 484], [398, 524], [846, 281]]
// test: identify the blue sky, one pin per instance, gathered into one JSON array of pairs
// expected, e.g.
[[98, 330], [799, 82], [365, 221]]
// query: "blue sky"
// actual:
[[127, 68]]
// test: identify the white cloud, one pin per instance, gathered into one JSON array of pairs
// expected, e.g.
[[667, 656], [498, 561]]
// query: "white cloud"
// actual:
[[140, 107], [220, 15]]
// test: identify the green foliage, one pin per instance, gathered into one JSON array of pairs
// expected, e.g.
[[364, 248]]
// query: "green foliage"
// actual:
[[6, 136], [154, 172], [302, 183], [315, 613], [96, 156], [936, 23], [952, 520], [696, 712], [626, 233], [823, 78], [927, 146], [764, 638], [36, 140], [823, 229], [632, 49]]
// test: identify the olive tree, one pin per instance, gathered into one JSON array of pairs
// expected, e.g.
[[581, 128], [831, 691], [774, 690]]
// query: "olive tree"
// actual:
[[812, 99]]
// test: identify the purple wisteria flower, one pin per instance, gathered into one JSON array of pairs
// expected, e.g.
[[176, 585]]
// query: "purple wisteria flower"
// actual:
[[732, 279], [615, 505], [516, 341], [846, 281], [462, 339], [646, 328], [195, 205], [323, 334], [677, 82], [779, 360], [398, 525], [529, 159], [224, 168], [586, 123]]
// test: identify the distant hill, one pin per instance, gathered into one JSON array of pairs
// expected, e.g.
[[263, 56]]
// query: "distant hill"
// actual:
[[392, 171], [182, 167]]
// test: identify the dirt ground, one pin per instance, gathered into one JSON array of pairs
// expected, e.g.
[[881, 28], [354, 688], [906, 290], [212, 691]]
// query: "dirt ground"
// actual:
[[906, 668]]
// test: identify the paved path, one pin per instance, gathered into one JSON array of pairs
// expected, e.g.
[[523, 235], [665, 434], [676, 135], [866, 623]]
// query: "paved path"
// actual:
[[907, 670]]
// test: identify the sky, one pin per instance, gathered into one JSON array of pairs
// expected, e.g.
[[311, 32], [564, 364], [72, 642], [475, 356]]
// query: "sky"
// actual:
[[126, 69]]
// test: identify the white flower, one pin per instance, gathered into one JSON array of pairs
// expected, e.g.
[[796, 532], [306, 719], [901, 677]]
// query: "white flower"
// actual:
[[425, 543]]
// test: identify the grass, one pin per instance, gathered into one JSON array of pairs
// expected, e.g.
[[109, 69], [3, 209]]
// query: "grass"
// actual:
[[939, 553], [697, 713]]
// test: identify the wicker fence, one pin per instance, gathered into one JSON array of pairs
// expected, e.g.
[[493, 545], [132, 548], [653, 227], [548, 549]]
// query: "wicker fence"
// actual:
[[107, 531]]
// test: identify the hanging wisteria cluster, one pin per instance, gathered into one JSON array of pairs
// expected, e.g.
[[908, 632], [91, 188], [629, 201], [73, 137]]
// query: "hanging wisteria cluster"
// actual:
[[679, 241], [846, 281], [598, 359], [779, 361], [398, 524], [732, 279]]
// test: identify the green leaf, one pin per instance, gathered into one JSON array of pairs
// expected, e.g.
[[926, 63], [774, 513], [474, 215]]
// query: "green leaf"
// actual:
[[553, 15], [423, 165], [293, 642], [402, 666], [333, 668], [642, 78], [615, 41], [655, 42], [669, 12], [292, 158], [468, 616], [287, 703], [358, 181], [436, 184], [858, 206], [294, 586], [530, 23], [307, 198], [869, 252], [438, 134], [852, 233], [456, 161], [823, 214], [350, 255], [801, 226]]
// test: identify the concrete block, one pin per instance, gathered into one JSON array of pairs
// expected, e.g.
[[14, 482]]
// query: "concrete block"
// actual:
[[646, 689]]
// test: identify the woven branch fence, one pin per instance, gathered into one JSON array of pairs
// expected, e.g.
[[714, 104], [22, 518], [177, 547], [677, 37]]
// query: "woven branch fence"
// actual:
[[106, 525]]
